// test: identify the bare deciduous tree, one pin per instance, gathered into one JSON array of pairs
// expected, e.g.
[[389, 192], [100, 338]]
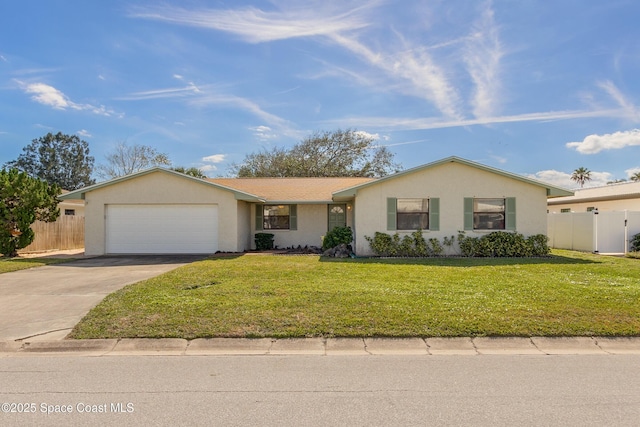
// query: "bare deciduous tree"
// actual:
[[127, 159]]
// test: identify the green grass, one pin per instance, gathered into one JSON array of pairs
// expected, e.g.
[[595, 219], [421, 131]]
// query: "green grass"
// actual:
[[14, 264], [568, 294]]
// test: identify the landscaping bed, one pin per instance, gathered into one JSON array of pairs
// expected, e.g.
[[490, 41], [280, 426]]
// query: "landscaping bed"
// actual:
[[566, 294]]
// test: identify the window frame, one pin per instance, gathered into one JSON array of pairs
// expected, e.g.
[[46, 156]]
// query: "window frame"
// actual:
[[260, 216], [481, 217], [433, 207], [404, 217], [509, 214]]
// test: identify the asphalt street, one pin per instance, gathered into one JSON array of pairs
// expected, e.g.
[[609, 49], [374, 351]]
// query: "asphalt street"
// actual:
[[489, 390]]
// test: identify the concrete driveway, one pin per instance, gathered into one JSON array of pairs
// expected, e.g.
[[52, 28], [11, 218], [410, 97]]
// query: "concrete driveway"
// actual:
[[47, 302]]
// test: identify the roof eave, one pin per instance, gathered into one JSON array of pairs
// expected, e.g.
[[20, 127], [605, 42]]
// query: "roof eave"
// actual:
[[552, 191], [80, 193]]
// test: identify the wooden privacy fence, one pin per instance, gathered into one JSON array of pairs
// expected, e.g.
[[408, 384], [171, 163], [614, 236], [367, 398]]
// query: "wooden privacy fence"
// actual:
[[65, 233]]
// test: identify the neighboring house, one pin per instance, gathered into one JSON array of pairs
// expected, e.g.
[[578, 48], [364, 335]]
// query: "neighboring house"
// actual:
[[163, 211], [612, 197], [71, 207]]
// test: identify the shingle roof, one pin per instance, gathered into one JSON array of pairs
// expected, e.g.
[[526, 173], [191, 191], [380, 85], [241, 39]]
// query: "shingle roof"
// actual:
[[300, 190]]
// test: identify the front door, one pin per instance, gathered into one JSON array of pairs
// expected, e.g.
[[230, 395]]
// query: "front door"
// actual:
[[337, 216]]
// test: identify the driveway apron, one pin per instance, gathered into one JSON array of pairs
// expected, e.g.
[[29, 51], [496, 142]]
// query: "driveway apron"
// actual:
[[48, 301]]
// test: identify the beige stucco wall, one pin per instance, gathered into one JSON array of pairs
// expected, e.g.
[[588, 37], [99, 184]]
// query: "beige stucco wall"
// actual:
[[76, 205], [451, 183], [245, 240], [160, 188], [601, 205], [312, 226]]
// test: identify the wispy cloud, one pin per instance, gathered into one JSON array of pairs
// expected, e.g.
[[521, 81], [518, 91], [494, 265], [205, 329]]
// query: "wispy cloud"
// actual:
[[281, 125], [365, 134], [263, 133], [406, 123], [84, 133], [50, 96], [563, 179], [482, 54], [215, 158], [593, 144], [211, 162], [630, 110], [207, 95], [406, 142], [256, 26], [632, 171], [411, 64], [174, 92]]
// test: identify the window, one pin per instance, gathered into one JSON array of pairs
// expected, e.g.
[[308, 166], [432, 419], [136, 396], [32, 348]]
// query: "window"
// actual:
[[412, 214], [565, 210], [69, 211], [276, 217], [591, 208], [490, 213]]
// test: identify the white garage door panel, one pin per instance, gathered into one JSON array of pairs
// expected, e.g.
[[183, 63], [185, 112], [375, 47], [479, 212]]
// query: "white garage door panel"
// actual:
[[158, 229]]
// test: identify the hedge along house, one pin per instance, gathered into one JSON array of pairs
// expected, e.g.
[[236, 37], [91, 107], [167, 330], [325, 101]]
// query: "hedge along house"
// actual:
[[162, 211]]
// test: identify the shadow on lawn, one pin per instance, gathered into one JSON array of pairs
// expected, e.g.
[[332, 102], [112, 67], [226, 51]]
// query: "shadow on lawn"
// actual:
[[464, 261]]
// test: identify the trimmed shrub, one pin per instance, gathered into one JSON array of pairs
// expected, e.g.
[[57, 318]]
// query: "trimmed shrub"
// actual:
[[495, 244], [635, 243], [503, 244], [413, 245], [381, 243], [264, 241], [336, 237]]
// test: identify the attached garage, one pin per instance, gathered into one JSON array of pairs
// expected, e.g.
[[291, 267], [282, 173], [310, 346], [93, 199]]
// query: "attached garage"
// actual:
[[161, 229]]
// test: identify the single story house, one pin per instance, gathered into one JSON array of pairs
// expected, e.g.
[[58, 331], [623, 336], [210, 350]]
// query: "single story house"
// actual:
[[613, 197], [163, 211]]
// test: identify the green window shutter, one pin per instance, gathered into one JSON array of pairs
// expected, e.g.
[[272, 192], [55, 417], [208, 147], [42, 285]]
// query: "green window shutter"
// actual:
[[434, 214], [293, 217], [391, 213], [468, 213], [510, 213], [259, 218]]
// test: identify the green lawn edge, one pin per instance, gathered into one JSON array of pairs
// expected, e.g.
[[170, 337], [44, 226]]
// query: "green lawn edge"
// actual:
[[8, 265], [255, 296]]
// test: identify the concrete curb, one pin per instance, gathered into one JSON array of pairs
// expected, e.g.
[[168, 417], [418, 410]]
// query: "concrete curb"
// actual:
[[464, 346]]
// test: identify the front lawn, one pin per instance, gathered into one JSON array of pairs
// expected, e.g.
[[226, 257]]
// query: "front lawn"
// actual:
[[567, 294], [14, 264]]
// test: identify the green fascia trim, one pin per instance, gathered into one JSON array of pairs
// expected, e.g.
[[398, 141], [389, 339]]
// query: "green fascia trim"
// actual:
[[552, 191], [80, 194], [297, 202]]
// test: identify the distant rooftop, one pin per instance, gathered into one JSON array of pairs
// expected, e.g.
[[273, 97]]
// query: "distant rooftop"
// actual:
[[619, 190], [299, 190]]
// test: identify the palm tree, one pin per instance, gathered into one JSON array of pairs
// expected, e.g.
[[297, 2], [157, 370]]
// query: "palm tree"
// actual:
[[635, 177], [581, 175]]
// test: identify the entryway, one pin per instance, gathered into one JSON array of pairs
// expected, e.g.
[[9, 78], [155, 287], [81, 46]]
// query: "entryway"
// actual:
[[337, 216]]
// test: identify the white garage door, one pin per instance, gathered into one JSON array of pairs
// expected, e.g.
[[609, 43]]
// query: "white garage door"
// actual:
[[161, 229]]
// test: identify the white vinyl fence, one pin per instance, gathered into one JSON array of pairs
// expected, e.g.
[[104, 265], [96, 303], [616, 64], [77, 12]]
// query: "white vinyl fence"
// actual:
[[605, 232]]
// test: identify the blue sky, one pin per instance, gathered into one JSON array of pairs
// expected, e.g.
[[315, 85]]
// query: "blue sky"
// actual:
[[533, 87]]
